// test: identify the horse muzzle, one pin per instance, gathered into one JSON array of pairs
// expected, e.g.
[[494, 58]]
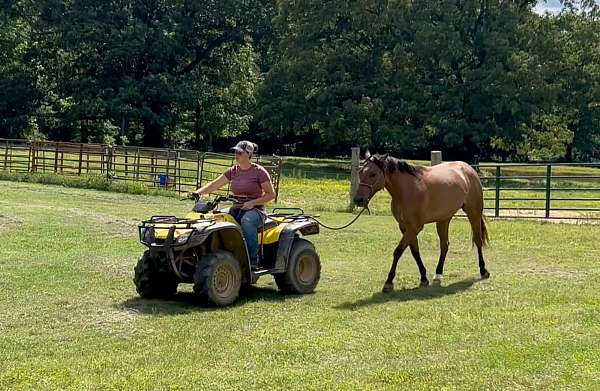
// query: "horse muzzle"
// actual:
[[361, 201]]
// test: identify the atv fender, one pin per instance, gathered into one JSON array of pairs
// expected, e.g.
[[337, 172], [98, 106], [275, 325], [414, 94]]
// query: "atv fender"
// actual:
[[286, 240], [228, 236], [220, 236]]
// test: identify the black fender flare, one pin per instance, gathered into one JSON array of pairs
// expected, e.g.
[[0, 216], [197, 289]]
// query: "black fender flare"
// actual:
[[231, 237], [286, 240]]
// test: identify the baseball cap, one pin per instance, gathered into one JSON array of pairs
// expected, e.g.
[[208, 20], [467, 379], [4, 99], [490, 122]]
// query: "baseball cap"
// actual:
[[244, 146]]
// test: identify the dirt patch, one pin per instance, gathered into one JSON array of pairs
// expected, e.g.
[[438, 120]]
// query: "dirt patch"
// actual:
[[555, 272], [123, 223], [8, 223]]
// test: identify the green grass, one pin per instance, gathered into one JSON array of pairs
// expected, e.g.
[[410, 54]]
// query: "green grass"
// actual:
[[70, 317]]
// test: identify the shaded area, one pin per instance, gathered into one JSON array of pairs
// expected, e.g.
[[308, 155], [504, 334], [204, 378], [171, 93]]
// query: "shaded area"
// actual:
[[412, 294], [187, 302]]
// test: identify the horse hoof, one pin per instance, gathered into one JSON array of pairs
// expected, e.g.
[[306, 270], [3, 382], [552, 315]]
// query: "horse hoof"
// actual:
[[436, 282], [388, 288], [424, 283], [485, 275]]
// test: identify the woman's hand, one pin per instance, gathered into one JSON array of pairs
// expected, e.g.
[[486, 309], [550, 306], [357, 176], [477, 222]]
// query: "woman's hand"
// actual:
[[248, 205]]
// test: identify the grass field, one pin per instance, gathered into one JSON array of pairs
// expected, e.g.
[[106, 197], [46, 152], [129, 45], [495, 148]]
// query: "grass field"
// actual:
[[70, 317]]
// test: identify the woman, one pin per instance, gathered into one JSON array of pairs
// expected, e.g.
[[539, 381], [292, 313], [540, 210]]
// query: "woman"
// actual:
[[251, 184]]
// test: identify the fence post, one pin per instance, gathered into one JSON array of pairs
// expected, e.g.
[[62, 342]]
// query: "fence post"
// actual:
[[167, 169], [279, 173], [354, 175], [497, 206], [152, 169], [178, 170], [109, 162], [80, 158], [87, 162], [436, 157], [200, 172], [6, 155], [126, 161], [31, 162], [548, 187], [56, 158], [137, 165]]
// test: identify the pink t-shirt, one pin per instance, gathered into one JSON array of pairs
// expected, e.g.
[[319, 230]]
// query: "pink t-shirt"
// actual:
[[247, 183]]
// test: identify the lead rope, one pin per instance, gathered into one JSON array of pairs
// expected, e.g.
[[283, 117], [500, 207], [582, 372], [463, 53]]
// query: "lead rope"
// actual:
[[344, 226], [366, 208]]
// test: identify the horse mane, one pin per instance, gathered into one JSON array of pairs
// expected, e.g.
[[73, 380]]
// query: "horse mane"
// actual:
[[390, 164]]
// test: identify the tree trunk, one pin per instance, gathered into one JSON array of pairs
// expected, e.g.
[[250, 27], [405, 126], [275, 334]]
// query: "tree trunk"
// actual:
[[569, 153], [153, 136], [209, 144], [197, 128]]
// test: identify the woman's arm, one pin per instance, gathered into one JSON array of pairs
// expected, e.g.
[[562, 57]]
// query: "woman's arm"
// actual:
[[268, 195], [213, 186]]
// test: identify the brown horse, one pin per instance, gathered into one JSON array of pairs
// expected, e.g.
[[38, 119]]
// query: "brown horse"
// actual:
[[423, 195]]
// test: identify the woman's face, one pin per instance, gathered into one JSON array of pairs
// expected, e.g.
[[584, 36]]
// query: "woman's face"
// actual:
[[242, 157]]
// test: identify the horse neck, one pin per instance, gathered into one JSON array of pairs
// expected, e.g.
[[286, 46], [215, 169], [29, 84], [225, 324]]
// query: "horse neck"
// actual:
[[397, 183]]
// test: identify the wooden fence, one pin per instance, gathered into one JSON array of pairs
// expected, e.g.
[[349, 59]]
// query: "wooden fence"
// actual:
[[173, 169]]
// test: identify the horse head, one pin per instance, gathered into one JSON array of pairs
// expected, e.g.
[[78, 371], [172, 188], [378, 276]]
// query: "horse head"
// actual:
[[371, 178]]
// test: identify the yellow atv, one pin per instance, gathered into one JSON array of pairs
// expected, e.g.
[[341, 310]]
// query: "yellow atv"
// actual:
[[207, 248]]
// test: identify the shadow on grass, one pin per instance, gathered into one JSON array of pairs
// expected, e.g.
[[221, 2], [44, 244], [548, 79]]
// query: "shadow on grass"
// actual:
[[187, 302], [418, 293]]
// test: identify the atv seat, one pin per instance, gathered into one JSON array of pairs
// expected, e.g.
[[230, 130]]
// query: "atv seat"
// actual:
[[269, 223]]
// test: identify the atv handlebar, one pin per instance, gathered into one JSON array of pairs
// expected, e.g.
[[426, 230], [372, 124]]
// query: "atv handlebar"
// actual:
[[211, 205]]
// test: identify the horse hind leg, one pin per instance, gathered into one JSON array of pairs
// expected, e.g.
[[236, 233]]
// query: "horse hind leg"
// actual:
[[442, 230], [414, 249], [480, 238]]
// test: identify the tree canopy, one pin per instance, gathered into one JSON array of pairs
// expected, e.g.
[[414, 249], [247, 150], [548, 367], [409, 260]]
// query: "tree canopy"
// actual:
[[481, 79]]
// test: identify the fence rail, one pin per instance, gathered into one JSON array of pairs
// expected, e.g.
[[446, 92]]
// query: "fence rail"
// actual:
[[551, 191], [172, 169], [542, 190]]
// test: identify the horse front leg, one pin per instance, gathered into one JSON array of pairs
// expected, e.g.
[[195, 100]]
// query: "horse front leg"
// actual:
[[389, 283], [408, 237]]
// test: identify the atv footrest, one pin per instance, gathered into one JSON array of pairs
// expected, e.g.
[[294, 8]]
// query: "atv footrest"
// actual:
[[261, 272]]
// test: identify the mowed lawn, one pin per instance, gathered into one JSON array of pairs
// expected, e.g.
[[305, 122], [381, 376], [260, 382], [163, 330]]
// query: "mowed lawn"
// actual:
[[70, 317]]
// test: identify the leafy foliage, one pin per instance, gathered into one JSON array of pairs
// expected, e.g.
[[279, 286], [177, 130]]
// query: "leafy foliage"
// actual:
[[487, 79]]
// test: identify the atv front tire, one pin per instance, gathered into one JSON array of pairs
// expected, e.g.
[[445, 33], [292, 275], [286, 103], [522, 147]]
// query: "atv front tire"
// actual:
[[152, 278], [218, 278], [303, 270]]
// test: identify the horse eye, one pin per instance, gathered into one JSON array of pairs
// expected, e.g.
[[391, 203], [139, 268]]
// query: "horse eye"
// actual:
[[373, 175]]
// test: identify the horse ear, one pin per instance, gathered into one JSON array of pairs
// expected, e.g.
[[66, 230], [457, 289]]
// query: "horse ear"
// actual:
[[367, 154]]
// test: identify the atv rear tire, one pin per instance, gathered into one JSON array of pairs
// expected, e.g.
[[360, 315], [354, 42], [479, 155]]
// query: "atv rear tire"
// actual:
[[218, 278], [303, 270], [152, 278]]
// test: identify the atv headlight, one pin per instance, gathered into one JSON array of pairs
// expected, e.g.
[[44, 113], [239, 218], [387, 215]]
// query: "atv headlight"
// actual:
[[147, 234], [183, 238]]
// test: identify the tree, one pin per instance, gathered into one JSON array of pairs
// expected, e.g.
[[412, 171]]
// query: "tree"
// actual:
[[19, 95], [579, 101], [401, 75], [126, 61]]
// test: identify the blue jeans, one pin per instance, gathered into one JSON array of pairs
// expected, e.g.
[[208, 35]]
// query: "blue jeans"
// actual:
[[250, 220]]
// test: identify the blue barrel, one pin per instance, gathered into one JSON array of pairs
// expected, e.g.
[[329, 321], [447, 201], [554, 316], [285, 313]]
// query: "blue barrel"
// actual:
[[163, 180]]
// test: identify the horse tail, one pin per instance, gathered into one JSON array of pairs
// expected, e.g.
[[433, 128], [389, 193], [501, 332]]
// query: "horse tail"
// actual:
[[480, 235]]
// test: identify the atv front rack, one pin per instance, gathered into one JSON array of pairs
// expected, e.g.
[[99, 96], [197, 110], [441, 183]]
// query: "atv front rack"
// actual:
[[147, 230]]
